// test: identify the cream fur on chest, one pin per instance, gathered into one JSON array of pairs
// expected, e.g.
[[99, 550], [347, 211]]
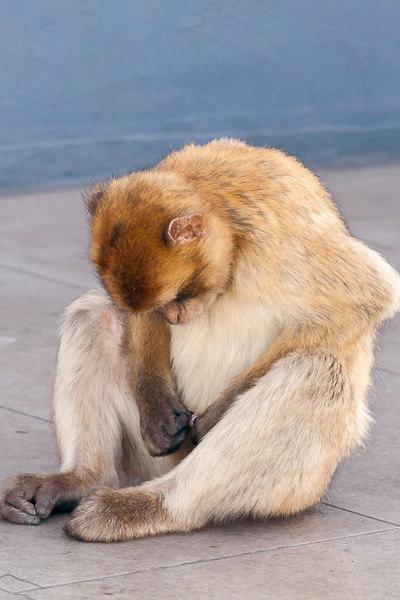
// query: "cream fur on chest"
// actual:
[[210, 351]]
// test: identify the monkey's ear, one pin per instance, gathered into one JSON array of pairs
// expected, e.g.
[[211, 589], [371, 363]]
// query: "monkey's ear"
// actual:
[[184, 230], [93, 197]]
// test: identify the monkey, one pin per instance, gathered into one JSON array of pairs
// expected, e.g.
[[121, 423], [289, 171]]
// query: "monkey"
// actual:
[[222, 370]]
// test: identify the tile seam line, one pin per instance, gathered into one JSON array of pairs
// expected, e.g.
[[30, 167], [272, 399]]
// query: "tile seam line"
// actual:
[[354, 512], [18, 579], [18, 594], [24, 414], [209, 560], [42, 277]]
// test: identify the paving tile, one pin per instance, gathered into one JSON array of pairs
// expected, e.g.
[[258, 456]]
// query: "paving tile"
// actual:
[[369, 482], [365, 192], [355, 568], [26, 446], [10, 583], [47, 234], [382, 235], [388, 348], [369, 201], [30, 312], [45, 556], [4, 595]]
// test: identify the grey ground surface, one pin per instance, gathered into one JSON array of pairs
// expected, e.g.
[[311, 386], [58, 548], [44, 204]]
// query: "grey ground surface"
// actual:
[[347, 548]]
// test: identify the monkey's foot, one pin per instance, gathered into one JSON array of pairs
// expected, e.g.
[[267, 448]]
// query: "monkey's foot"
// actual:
[[110, 515]]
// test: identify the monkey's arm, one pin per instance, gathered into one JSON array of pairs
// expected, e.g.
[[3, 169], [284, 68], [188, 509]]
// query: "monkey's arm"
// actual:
[[286, 342], [164, 419]]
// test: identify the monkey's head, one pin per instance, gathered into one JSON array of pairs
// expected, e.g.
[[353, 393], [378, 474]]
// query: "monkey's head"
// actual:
[[156, 245]]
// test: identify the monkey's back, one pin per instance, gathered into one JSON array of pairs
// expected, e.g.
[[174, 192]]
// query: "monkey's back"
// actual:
[[253, 178]]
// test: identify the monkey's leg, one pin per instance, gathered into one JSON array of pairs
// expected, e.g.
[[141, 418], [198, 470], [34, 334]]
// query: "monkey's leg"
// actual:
[[96, 419], [273, 453]]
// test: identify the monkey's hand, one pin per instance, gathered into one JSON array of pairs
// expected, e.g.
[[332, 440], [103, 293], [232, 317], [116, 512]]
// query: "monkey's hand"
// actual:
[[27, 499], [164, 425]]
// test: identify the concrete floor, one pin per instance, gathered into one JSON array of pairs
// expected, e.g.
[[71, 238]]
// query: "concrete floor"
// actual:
[[347, 548]]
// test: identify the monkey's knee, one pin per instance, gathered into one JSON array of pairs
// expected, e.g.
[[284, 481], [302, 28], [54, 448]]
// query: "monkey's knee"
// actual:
[[92, 317], [86, 308]]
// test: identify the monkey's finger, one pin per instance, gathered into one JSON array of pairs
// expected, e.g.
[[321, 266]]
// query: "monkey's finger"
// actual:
[[175, 428], [47, 497], [196, 433], [15, 498], [174, 444], [179, 439], [182, 419], [10, 513]]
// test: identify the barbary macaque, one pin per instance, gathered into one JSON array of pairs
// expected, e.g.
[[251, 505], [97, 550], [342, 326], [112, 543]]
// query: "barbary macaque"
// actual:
[[233, 293]]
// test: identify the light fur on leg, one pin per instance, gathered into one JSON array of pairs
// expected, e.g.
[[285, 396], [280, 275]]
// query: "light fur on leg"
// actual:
[[96, 418], [275, 459], [95, 413]]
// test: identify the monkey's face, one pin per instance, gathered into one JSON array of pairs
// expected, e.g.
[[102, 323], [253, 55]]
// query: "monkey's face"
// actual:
[[150, 255]]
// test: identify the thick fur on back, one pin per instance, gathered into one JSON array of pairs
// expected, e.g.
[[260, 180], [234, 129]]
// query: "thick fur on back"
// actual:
[[277, 261], [273, 234], [293, 265]]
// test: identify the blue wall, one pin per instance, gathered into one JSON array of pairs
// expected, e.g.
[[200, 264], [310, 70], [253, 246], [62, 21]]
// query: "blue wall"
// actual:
[[92, 88]]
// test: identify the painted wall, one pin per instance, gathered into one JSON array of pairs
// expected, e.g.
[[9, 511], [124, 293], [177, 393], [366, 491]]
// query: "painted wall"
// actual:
[[93, 88]]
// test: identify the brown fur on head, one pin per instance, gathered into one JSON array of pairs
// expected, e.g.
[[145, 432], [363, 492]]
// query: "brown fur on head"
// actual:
[[157, 245]]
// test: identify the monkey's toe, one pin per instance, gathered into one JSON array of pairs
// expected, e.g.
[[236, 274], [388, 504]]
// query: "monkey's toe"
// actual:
[[74, 531], [18, 516], [92, 520], [110, 515], [77, 529]]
